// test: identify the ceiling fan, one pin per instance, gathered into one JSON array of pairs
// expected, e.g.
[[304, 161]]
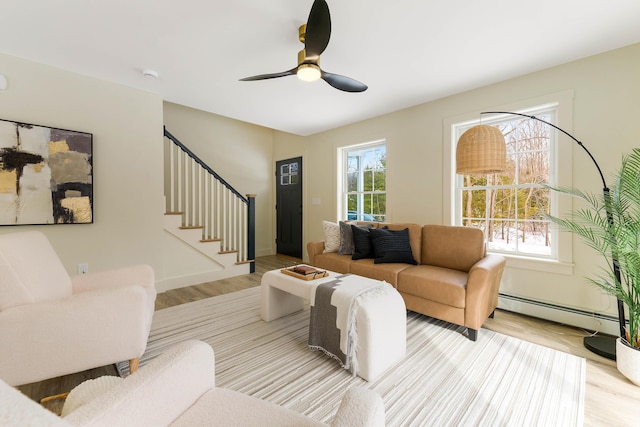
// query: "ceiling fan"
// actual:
[[315, 36]]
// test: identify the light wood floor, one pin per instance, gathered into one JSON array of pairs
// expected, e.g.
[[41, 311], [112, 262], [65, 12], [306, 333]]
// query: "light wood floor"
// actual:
[[610, 399]]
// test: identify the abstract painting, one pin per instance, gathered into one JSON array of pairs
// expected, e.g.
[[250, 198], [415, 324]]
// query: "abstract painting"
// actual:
[[46, 175]]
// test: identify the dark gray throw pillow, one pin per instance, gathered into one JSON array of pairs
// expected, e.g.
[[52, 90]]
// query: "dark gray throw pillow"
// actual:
[[346, 238], [391, 246]]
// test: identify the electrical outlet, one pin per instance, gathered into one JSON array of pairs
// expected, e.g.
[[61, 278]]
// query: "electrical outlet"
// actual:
[[83, 268]]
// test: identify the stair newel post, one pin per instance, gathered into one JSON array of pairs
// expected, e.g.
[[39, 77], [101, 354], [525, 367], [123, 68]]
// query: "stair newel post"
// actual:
[[251, 231]]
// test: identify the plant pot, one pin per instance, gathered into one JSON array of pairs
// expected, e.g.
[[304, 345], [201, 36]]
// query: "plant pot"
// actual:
[[628, 361]]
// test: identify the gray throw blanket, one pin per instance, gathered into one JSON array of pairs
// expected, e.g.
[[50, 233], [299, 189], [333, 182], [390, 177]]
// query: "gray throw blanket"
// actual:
[[332, 322]]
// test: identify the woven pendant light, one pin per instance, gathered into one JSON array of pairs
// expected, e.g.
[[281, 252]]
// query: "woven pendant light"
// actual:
[[481, 149]]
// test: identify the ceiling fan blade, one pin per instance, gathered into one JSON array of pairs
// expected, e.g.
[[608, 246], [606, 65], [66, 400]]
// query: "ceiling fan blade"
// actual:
[[318, 29], [291, 72], [344, 83]]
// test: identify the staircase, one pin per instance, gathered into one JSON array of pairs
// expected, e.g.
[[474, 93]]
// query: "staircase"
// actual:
[[204, 212]]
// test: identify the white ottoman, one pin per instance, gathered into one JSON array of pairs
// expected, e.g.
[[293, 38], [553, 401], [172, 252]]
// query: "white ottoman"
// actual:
[[381, 319]]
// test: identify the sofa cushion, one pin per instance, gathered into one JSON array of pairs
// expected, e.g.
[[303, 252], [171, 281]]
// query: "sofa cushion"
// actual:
[[391, 246], [453, 247], [387, 272], [333, 261], [442, 285], [331, 236]]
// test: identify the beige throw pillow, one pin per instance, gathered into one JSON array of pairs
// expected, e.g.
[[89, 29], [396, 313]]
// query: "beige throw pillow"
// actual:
[[331, 236]]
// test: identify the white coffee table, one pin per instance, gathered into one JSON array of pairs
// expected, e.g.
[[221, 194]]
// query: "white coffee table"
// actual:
[[283, 294], [381, 321]]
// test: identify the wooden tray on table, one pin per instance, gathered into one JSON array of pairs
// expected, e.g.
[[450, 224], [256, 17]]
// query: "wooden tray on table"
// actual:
[[304, 272]]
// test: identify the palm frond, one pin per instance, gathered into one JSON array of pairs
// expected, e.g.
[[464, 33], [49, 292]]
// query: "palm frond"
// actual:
[[609, 223]]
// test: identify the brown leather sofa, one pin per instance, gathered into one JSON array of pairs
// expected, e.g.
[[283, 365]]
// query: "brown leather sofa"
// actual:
[[454, 280]]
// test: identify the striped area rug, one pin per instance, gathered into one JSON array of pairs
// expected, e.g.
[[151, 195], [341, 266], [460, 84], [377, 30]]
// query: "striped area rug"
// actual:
[[445, 380]]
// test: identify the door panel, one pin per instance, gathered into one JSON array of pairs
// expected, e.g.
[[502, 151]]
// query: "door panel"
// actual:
[[289, 207]]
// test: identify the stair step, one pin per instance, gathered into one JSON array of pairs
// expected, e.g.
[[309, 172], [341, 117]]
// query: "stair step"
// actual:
[[245, 262], [212, 248]]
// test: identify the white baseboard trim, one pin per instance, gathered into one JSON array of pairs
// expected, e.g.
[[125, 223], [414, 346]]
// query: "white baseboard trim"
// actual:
[[599, 322], [264, 252], [198, 278]]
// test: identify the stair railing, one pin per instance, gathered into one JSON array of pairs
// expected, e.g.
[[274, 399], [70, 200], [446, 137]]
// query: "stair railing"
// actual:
[[207, 201]]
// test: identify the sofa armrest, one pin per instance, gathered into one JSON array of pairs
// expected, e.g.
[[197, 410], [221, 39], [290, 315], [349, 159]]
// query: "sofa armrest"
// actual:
[[157, 393], [70, 326], [360, 408], [313, 249], [16, 409], [141, 275], [483, 285]]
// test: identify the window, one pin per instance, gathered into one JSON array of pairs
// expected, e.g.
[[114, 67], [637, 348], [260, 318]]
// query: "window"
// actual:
[[510, 207], [364, 188], [289, 174]]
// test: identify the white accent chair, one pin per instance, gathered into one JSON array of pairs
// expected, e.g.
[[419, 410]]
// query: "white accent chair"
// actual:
[[178, 388], [53, 324]]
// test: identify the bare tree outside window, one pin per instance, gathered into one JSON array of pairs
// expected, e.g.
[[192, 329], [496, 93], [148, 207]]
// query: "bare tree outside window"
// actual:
[[510, 207]]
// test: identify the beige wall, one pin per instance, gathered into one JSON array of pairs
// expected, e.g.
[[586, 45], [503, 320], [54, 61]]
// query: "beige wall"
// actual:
[[127, 146], [241, 153], [127, 128], [606, 90]]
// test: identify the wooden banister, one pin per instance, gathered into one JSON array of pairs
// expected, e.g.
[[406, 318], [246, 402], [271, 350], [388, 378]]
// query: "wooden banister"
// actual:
[[209, 202]]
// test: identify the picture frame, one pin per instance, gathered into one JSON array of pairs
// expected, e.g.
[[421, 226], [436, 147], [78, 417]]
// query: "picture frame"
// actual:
[[46, 175]]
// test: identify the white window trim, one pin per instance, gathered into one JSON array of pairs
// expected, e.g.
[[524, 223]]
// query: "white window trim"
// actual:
[[342, 154], [563, 261]]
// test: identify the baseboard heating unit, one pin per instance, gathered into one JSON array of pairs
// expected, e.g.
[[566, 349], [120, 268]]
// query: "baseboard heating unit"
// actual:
[[590, 321]]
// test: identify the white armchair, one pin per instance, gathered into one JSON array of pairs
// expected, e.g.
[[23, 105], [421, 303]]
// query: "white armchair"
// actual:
[[52, 324], [177, 388]]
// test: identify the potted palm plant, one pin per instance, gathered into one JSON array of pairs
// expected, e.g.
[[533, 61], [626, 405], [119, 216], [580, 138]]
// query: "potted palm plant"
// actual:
[[610, 224]]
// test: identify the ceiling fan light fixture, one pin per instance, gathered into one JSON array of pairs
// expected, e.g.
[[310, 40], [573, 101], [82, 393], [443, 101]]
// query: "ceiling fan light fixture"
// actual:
[[308, 72], [315, 36]]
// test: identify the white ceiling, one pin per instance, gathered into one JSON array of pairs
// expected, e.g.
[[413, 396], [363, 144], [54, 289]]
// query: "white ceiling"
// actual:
[[407, 51]]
